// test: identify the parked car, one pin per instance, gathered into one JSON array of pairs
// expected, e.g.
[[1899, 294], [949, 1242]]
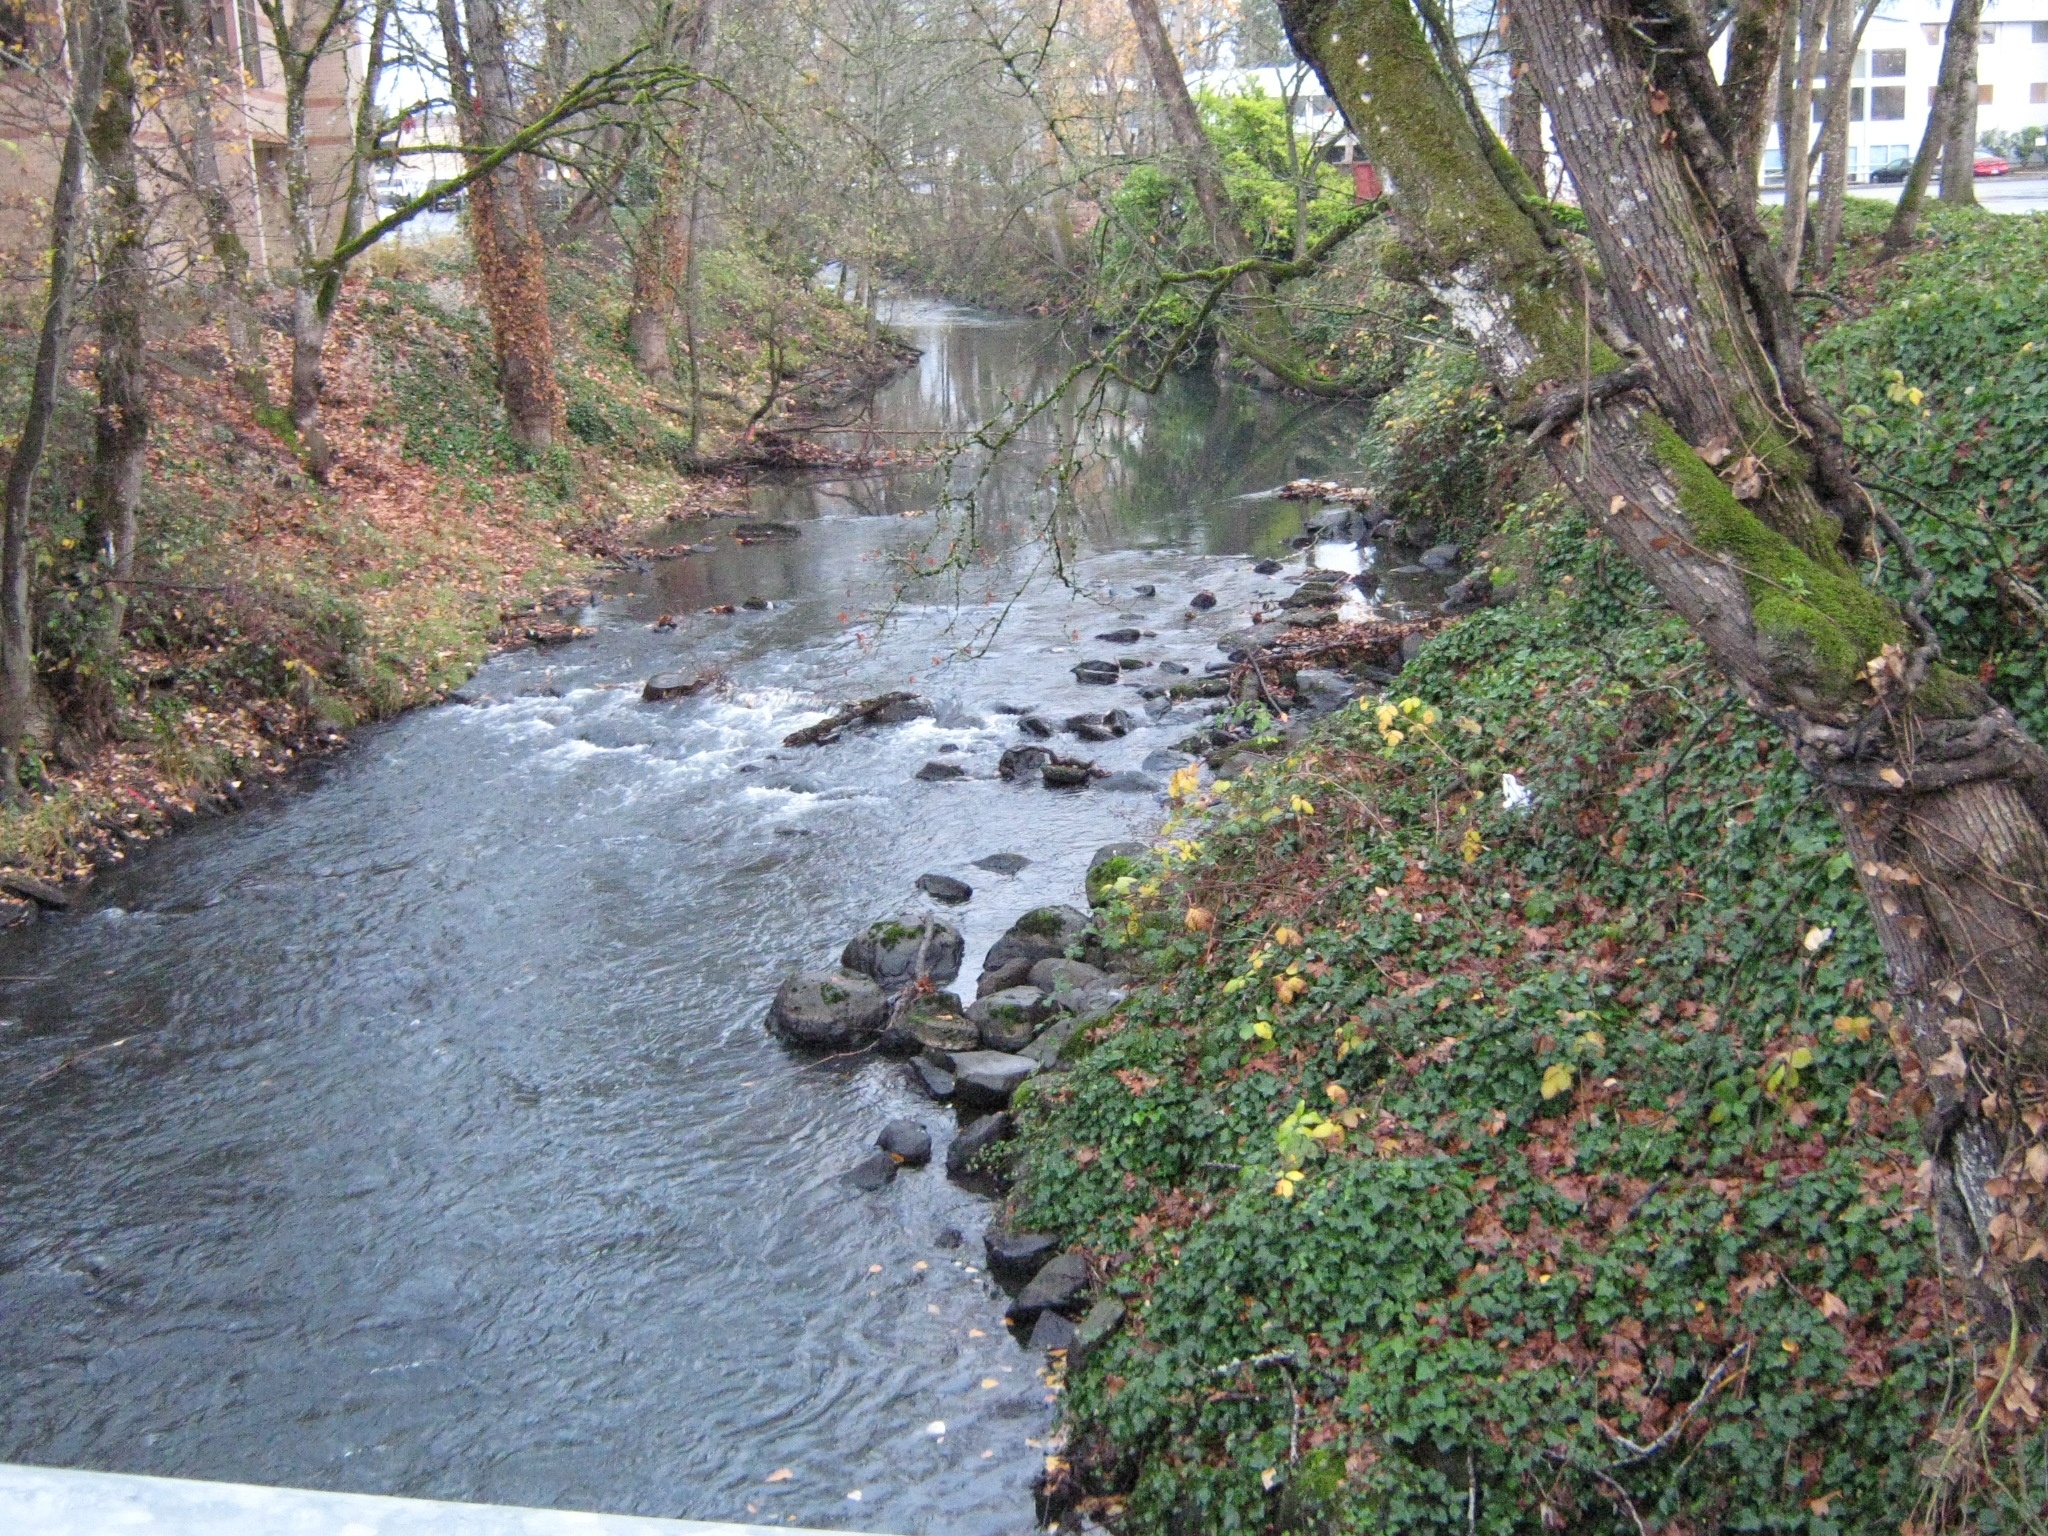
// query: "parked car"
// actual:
[[1898, 170], [1989, 164]]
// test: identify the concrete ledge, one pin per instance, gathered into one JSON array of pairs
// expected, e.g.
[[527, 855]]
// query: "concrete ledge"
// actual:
[[50, 1501]]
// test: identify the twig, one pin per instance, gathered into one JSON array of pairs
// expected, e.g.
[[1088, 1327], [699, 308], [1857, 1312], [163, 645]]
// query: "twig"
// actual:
[[76, 1057], [1641, 1453]]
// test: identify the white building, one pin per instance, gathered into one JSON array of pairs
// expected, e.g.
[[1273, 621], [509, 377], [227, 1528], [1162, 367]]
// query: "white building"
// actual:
[[1892, 85]]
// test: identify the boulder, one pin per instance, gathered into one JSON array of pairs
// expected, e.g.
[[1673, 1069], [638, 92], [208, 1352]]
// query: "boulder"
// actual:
[[1411, 647], [890, 951], [932, 1078], [1046, 1049], [1058, 775], [1178, 669], [936, 772], [1128, 783], [1089, 728], [1103, 1319], [1059, 1286], [901, 712], [1020, 763], [1268, 567], [1008, 1020], [1202, 602], [1039, 934], [1059, 975], [871, 1173], [1052, 1332], [1121, 636], [1132, 663], [1145, 589], [1002, 863], [1323, 684], [907, 1142], [986, 1079], [1467, 593], [943, 1031], [975, 1138], [673, 685], [1441, 557], [1014, 1257], [1099, 672], [945, 888], [1031, 725], [1015, 972], [832, 1009]]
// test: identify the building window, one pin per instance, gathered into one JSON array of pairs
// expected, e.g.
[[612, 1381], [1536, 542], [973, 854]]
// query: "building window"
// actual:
[[1888, 63], [2037, 93], [1888, 104], [1932, 32], [1983, 95], [1855, 103], [252, 44], [2041, 31], [1987, 36]]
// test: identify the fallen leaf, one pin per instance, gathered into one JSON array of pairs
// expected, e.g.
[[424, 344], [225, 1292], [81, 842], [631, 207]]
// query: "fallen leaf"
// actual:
[[1950, 1064], [1832, 1307], [780, 1475]]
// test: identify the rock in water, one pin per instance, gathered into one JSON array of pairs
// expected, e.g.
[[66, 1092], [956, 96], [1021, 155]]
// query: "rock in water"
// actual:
[[1121, 636], [889, 951], [832, 1009], [1031, 725], [1102, 672], [1128, 783], [1268, 567], [672, 685], [932, 1078], [1000, 978], [1058, 1287], [1202, 602], [1039, 934], [871, 1173], [1051, 1332], [1145, 589], [1021, 763], [937, 772], [1002, 863], [945, 888], [1441, 557], [975, 1138], [986, 1079], [1066, 775], [907, 1142], [1015, 1257]]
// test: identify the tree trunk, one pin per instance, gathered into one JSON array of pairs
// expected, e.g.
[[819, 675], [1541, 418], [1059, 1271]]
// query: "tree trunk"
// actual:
[[18, 687], [1958, 64], [503, 231], [204, 77], [122, 421], [661, 249], [1845, 30], [1525, 109], [1796, 67], [1959, 148], [1760, 35], [1939, 793]]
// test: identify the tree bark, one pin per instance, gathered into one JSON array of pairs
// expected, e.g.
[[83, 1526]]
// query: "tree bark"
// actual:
[[503, 230], [661, 248], [1759, 37], [1797, 65], [1525, 108], [19, 712], [121, 422], [1958, 65], [1845, 31], [1959, 148], [1939, 793]]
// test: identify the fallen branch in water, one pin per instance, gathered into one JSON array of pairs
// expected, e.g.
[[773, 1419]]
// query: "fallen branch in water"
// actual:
[[830, 727]]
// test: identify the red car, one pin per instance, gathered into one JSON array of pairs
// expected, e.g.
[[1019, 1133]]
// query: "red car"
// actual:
[[1988, 164]]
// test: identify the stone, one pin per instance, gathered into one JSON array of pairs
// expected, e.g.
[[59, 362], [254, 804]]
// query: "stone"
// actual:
[[1202, 602], [1088, 728], [828, 1009], [1323, 685], [1009, 1019], [1178, 669], [1021, 763], [1059, 1286], [1110, 863], [1128, 783], [907, 1142], [1099, 672], [1122, 721], [948, 1237], [1059, 775], [975, 1138], [1121, 636], [932, 1078], [871, 1173], [1013, 709], [1031, 725], [890, 950], [1014, 972], [1014, 1257], [673, 685], [1102, 1320], [1002, 863], [1145, 589], [986, 1079], [1411, 647], [1046, 1049], [1039, 934], [946, 1032], [1165, 760], [1052, 1332], [945, 888], [1467, 593], [1441, 557], [1268, 567], [901, 712], [1061, 975], [937, 772], [1132, 663]]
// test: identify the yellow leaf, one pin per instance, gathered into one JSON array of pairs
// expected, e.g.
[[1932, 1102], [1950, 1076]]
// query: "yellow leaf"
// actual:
[[1288, 988], [1263, 1030], [1832, 1307], [2037, 1163], [1557, 1078], [1336, 1093], [1893, 777], [1200, 919], [1852, 1026], [1301, 807], [1395, 738], [1817, 939], [1285, 935]]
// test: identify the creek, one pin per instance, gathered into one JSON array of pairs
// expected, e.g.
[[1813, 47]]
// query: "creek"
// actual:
[[416, 1131]]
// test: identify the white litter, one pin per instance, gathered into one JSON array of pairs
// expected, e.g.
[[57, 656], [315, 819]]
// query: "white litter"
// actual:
[[1514, 794], [936, 1428]]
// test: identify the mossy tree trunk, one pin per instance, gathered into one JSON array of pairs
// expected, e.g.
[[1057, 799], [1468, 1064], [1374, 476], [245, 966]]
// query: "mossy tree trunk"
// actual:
[[121, 420], [1678, 415], [1958, 65], [1525, 108], [661, 246]]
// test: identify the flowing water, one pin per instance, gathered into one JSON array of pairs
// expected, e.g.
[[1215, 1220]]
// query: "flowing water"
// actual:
[[416, 1131]]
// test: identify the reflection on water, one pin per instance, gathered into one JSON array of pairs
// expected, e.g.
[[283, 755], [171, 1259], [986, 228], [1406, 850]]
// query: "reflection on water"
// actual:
[[416, 1132]]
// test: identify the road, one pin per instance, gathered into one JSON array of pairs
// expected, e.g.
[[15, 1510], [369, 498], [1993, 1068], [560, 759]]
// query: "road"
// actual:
[[2025, 192]]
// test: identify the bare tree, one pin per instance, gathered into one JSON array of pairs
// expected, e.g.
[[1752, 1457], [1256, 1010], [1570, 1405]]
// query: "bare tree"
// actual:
[[1958, 73]]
